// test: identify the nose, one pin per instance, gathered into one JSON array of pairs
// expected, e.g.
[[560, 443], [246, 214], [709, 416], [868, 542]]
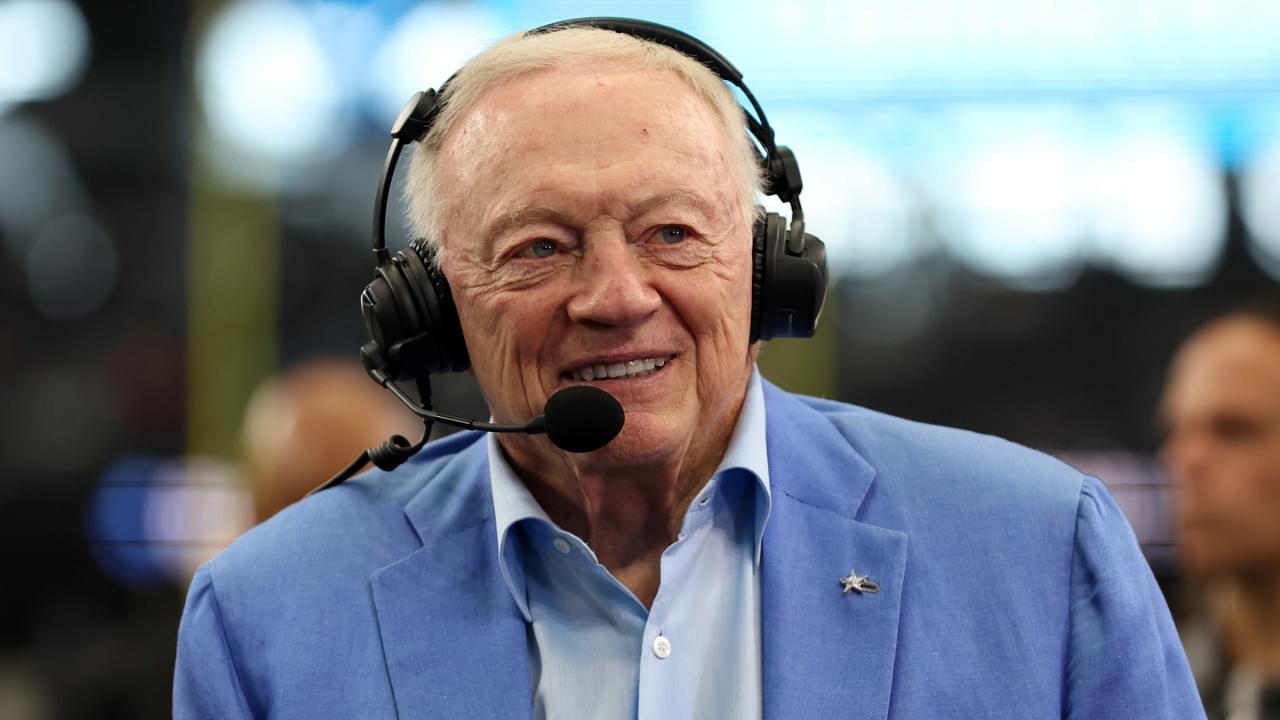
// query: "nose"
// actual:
[[614, 286]]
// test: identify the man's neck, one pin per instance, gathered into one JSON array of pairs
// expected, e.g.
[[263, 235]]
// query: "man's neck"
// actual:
[[627, 514]]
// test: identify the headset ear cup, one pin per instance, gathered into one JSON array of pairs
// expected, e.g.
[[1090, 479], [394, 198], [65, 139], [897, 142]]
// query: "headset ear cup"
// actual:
[[409, 312], [758, 231], [766, 243], [422, 293], [788, 289], [386, 318], [379, 321], [449, 348]]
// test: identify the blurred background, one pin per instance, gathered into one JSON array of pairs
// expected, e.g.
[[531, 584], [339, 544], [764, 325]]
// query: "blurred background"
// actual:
[[1026, 208]]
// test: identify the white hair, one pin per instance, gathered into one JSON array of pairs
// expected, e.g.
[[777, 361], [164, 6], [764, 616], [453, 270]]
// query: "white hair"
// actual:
[[521, 54]]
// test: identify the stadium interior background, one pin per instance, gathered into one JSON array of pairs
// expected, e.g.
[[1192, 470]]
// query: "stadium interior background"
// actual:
[[1025, 207]]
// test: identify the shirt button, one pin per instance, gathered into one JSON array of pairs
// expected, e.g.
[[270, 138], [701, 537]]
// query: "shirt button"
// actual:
[[702, 501], [562, 545], [661, 647]]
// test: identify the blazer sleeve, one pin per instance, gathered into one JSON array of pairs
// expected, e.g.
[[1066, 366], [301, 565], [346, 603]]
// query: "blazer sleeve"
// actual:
[[205, 682], [1124, 659]]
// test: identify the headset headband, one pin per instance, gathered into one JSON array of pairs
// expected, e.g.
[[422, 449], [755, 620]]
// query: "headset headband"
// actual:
[[782, 173], [688, 45]]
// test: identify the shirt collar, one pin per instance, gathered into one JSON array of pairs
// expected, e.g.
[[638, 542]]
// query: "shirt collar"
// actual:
[[747, 451], [513, 503]]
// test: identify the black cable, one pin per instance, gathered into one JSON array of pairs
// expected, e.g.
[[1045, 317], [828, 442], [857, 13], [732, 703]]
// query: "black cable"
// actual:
[[392, 452]]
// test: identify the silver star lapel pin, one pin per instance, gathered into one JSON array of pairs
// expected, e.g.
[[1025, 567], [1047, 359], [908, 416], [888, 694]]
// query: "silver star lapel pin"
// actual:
[[859, 583]]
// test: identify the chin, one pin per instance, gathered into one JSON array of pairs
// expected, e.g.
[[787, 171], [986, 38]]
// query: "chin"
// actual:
[[641, 442]]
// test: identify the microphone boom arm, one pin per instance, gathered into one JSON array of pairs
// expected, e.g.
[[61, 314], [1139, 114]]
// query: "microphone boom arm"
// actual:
[[535, 426]]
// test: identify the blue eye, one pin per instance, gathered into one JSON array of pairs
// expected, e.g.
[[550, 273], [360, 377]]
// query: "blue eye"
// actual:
[[672, 234], [543, 248]]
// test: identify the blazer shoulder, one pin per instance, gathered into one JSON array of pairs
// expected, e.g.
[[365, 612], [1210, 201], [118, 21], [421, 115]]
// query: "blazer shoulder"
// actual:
[[949, 464], [356, 527]]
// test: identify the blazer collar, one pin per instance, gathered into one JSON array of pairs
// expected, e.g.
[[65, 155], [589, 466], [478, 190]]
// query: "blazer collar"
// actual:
[[453, 639], [826, 652]]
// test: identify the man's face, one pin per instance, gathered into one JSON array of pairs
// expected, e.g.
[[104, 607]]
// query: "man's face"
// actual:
[[1222, 406], [593, 230]]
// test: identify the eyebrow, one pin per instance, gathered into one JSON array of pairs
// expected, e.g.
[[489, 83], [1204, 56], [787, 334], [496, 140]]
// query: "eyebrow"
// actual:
[[521, 217], [680, 196]]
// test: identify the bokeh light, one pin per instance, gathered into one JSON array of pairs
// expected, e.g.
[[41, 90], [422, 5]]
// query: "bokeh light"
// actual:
[[1260, 205], [1159, 208], [71, 267], [154, 521], [37, 182], [423, 49], [266, 84], [44, 49], [1013, 206], [854, 200]]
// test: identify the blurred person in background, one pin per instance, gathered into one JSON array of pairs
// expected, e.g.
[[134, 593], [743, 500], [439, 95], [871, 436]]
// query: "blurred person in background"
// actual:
[[1222, 409], [306, 424]]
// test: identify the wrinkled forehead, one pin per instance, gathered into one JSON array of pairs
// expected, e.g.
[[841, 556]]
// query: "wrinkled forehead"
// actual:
[[584, 103], [611, 130]]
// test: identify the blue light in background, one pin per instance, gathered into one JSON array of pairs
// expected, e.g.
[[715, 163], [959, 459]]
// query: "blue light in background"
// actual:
[[1260, 200], [115, 525], [424, 47], [1022, 138], [153, 520], [936, 49]]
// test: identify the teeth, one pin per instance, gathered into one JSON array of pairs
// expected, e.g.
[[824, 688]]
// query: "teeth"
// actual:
[[631, 368]]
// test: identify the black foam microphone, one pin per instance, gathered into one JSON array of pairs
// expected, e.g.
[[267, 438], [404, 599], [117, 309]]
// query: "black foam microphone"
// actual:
[[582, 418], [576, 419]]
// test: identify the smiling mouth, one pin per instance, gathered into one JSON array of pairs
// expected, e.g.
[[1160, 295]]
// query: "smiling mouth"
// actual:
[[620, 370]]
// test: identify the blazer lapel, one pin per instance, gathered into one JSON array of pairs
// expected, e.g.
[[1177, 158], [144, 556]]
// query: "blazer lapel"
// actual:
[[826, 652], [453, 639]]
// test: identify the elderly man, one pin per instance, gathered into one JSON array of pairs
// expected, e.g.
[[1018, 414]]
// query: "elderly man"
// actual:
[[736, 551], [1222, 407]]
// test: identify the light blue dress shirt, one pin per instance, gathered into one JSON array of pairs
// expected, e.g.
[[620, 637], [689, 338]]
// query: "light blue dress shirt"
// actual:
[[594, 650]]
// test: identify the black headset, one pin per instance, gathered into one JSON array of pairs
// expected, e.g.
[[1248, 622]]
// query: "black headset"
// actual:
[[408, 308]]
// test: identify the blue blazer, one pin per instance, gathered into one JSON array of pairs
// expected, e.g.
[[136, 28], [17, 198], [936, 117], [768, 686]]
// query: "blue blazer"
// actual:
[[1010, 587]]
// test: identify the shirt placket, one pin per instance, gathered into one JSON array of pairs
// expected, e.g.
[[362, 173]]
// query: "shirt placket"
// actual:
[[669, 656]]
